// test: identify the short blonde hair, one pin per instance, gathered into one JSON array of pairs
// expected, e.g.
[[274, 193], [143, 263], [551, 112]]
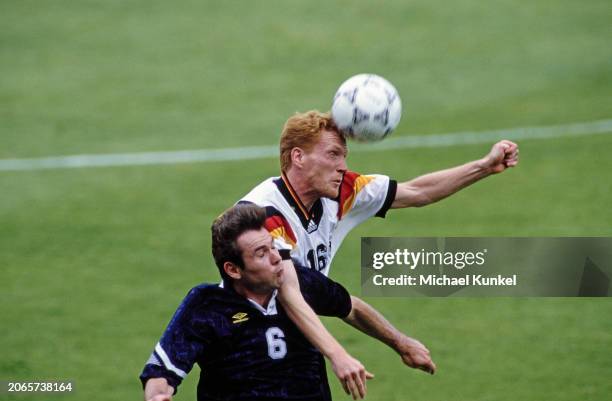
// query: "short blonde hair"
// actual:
[[303, 130]]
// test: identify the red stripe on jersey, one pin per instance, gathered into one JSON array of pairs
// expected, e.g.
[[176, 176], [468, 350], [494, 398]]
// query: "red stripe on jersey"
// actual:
[[279, 227], [352, 183], [346, 190]]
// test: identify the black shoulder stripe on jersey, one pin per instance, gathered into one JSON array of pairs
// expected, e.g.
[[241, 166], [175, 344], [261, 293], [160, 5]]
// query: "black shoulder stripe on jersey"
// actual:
[[316, 211], [271, 211], [391, 192], [285, 254]]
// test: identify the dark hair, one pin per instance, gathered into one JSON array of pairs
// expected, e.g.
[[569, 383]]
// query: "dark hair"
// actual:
[[228, 227]]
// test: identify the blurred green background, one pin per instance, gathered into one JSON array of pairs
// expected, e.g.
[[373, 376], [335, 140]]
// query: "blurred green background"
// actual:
[[94, 261]]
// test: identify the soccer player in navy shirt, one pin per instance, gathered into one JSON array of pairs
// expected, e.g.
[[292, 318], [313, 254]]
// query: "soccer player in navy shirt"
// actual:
[[242, 339]]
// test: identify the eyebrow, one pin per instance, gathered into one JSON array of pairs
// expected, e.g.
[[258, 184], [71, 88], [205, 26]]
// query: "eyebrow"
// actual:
[[264, 246], [261, 247], [342, 149]]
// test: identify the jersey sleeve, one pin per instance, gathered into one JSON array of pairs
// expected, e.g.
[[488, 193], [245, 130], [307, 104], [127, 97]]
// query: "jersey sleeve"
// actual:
[[363, 196], [185, 338], [280, 229], [325, 296]]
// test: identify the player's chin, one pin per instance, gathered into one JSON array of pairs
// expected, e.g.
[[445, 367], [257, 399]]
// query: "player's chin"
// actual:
[[333, 192]]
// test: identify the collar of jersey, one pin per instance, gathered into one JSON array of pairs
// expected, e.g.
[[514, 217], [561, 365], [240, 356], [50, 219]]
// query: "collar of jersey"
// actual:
[[305, 216], [269, 311]]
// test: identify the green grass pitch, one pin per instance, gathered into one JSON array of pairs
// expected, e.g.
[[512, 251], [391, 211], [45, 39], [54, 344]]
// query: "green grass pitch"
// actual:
[[94, 261]]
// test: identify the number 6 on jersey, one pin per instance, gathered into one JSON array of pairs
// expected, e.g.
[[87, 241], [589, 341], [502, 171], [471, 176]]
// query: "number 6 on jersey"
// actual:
[[277, 348]]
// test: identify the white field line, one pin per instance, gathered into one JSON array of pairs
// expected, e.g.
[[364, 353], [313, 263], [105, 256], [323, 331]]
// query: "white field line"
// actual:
[[260, 152]]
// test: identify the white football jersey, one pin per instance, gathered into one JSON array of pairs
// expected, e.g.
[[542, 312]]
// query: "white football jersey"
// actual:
[[313, 237]]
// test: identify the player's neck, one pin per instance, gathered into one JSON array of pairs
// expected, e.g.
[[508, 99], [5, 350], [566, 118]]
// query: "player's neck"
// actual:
[[302, 189], [261, 299]]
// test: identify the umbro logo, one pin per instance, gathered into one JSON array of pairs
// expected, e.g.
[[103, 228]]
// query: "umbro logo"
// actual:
[[240, 317], [312, 227]]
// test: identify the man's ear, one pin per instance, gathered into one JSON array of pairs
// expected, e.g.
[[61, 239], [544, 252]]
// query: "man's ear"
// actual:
[[297, 157], [232, 270]]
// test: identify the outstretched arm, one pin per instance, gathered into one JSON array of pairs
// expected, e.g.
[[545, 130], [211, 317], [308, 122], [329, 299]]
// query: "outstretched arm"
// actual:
[[368, 320], [350, 372], [432, 187]]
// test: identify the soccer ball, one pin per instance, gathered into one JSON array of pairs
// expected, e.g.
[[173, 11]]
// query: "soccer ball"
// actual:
[[366, 108]]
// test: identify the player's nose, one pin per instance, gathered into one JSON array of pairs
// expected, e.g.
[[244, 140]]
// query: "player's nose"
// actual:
[[275, 257], [342, 166]]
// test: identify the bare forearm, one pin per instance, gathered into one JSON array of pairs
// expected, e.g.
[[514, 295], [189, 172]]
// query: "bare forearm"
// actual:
[[351, 373], [308, 322], [366, 319], [432, 187]]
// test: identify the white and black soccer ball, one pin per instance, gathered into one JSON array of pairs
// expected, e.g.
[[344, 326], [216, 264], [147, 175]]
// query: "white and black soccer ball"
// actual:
[[366, 108]]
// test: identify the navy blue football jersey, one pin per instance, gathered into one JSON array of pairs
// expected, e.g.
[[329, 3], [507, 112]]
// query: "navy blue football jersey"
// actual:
[[246, 352]]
